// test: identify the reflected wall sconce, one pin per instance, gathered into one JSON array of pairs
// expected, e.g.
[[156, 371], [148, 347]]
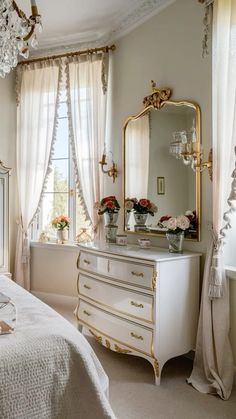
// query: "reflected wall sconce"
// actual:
[[112, 171], [186, 148]]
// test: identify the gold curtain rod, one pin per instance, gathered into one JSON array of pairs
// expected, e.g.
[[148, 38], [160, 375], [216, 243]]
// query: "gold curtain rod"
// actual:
[[70, 54]]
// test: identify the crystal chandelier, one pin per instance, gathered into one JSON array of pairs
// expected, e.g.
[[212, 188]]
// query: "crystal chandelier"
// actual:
[[16, 30]]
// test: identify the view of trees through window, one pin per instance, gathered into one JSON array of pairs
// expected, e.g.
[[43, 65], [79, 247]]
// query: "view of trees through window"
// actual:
[[61, 195]]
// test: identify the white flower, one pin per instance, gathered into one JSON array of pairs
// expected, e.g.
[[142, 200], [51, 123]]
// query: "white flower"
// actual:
[[189, 213], [172, 225], [129, 205], [182, 222]]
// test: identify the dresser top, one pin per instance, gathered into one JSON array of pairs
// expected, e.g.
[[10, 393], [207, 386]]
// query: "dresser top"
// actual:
[[156, 254]]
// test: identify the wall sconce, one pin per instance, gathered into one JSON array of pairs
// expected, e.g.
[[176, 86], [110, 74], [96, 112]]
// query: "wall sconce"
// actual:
[[186, 147], [112, 171]]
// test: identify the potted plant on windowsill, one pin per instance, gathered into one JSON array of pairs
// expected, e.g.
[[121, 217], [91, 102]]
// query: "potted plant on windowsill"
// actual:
[[61, 223]]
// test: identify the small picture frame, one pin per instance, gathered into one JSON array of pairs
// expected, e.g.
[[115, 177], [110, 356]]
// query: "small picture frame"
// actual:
[[160, 185]]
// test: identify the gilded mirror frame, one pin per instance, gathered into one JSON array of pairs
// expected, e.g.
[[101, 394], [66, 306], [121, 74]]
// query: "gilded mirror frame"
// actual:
[[157, 100]]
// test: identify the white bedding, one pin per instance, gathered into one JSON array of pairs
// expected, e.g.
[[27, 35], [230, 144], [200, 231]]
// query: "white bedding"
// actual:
[[47, 368]]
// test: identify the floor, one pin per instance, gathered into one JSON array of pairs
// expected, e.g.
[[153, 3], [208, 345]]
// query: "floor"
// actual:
[[134, 396]]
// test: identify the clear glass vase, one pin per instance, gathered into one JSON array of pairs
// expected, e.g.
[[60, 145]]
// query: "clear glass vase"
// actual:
[[176, 242], [110, 218]]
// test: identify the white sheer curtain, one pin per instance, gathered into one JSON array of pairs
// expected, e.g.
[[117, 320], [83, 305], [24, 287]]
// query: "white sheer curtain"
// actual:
[[36, 124], [87, 113], [213, 366], [137, 152]]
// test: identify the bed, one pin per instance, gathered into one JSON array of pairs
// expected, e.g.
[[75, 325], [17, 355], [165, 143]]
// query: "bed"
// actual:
[[47, 368]]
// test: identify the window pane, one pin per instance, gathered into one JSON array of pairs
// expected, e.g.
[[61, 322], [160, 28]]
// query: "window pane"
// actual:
[[58, 178], [61, 145], [53, 204]]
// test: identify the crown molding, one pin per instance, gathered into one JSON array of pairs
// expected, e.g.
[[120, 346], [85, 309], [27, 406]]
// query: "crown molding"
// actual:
[[123, 24], [141, 14]]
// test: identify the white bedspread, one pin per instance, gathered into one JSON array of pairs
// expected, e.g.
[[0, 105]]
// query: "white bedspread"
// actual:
[[47, 368]]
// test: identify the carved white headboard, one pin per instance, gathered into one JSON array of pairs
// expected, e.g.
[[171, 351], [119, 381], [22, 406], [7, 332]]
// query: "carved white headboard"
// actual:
[[4, 218]]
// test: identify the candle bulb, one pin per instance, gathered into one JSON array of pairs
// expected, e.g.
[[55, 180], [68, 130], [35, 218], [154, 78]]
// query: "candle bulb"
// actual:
[[33, 3], [34, 8]]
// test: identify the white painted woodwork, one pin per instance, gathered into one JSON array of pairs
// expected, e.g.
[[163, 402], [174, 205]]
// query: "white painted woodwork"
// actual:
[[4, 219], [144, 302]]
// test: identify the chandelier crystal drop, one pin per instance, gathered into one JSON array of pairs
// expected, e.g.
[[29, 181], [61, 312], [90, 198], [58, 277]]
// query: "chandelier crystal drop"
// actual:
[[16, 31]]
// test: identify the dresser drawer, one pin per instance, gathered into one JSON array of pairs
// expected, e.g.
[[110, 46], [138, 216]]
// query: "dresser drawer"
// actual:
[[91, 262], [130, 334], [137, 274], [121, 299]]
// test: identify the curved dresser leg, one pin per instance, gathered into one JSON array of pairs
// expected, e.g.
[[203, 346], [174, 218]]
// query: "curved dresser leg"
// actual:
[[157, 371]]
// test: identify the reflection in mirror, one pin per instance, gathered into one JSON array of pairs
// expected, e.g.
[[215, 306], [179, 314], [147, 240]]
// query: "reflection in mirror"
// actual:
[[157, 166]]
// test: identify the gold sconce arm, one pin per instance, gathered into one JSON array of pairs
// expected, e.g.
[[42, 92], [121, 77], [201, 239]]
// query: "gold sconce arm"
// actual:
[[112, 171], [207, 164]]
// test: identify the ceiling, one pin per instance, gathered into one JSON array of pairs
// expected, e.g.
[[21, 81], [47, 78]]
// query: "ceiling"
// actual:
[[84, 22]]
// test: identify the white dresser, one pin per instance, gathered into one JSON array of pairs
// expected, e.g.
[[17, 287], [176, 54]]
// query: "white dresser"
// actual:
[[142, 302]]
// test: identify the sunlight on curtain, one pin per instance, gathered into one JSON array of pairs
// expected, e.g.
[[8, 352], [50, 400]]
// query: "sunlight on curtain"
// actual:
[[87, 111], [36, 123], [137, 158]]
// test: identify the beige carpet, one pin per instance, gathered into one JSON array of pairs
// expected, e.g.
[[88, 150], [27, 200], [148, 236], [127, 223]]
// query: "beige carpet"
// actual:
[[133, 394]]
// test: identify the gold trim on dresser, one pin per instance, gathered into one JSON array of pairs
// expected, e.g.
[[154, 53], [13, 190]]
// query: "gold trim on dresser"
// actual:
[[121, 350], [98, 338]]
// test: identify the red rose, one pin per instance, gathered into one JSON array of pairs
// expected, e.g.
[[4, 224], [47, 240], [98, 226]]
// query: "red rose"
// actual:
[[108, 198], [144, 202], [165, 218], [110, 204]]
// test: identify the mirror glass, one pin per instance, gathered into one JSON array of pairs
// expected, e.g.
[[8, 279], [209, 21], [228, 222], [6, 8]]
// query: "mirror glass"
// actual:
[[155, 169]]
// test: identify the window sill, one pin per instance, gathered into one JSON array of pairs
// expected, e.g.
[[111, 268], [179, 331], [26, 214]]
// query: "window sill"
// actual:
[[69, 246], [231, 271]]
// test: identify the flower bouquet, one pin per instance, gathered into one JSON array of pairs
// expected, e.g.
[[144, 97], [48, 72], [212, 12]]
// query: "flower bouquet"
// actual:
[[177, 226], [61, 223], [108, 204], [144, 206]]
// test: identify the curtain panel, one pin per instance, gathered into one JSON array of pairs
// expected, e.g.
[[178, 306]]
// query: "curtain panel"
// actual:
[[87, 105], [213, 366], [38, 96]]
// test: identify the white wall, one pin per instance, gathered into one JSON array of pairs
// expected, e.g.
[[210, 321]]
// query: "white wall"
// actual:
[[167, 49], [8, 149]]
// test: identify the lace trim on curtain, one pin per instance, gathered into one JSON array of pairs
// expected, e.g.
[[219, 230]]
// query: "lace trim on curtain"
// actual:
[[207, 22], [215, 280], [73, 148], [54, 135]]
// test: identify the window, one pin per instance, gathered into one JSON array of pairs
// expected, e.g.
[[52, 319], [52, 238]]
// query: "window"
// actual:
[[61, 195]]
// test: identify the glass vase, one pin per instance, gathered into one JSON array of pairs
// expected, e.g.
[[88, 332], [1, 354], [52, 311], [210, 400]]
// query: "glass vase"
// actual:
[[176, 242], [110, 218]]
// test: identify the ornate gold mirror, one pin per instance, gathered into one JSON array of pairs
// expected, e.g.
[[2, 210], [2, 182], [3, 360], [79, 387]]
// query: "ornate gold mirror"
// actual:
[[162, 164]]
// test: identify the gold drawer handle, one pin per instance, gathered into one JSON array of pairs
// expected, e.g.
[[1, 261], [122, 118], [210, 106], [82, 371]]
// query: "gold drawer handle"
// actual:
[[87, 287], [133, 303], [136, 336], [87, 262], [137, 273], [87, 313]]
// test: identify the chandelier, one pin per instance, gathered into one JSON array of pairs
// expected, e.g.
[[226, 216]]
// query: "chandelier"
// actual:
[[16, 30], [186, 147]]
